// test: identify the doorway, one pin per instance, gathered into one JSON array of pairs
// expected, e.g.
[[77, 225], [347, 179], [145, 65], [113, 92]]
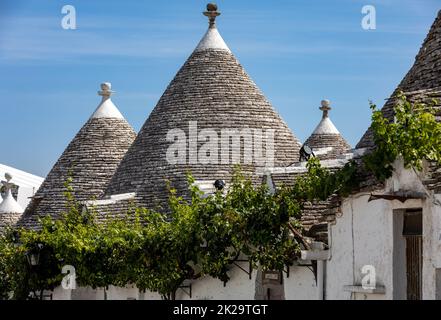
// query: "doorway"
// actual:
[[413, 234]]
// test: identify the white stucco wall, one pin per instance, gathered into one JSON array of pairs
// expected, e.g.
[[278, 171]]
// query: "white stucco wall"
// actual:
[[83, 293], [300, 285], [61, 294], [364, 235], [112, 293], [127, 293], [359, 238], [240, 287]]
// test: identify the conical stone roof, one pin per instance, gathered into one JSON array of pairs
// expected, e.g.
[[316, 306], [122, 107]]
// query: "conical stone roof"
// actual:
[[212, 92], [90, 160], [422, 82], [326, 141]]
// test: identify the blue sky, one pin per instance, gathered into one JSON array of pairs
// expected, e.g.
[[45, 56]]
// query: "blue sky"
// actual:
[[298, 53]]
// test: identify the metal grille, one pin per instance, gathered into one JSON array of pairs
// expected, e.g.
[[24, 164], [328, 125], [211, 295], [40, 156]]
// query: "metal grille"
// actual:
[[414, 264]]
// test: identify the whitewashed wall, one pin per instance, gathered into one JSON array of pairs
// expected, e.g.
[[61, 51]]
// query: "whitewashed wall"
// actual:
[[299, 286], [112, 293], [240, 287], [364, 235]]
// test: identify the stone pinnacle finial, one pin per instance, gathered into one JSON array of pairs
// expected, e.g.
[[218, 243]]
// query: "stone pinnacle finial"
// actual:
[[9, 205], [212, 13], [326, 106], [8, 177], [106, 90], [8, 184]]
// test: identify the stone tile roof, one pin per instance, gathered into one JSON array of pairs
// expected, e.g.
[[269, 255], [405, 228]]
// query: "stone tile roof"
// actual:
[[316, 212], [423, 79], [107, 210], [422, 83], [328, 146], [91, 158], [212, 89], [433, 179], [8, 220], [326, 141]]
